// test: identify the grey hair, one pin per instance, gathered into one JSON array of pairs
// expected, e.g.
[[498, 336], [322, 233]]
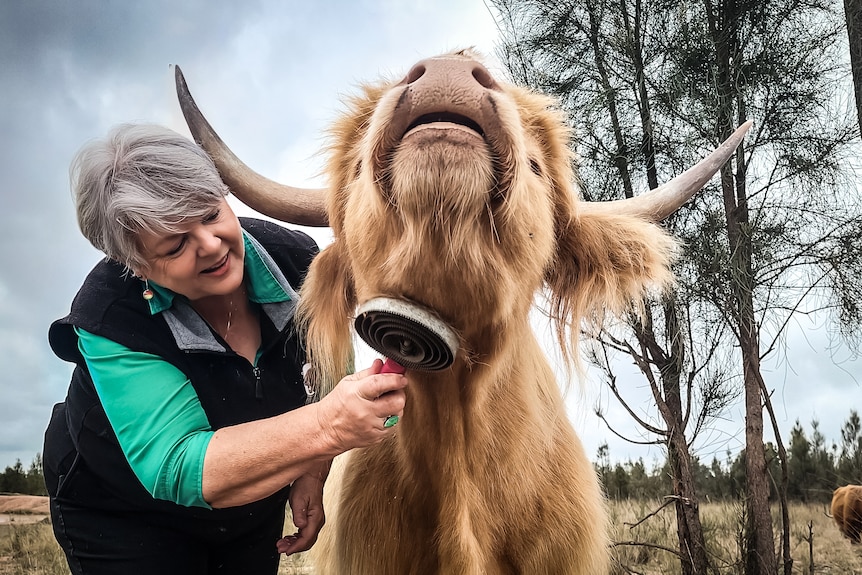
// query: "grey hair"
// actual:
[[141, 177]]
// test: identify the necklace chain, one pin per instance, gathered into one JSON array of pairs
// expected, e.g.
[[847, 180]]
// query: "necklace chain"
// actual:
[[229, 323], [229, 317]]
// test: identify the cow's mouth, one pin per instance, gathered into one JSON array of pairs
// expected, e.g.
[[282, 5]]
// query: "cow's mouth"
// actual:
[[447, 118]]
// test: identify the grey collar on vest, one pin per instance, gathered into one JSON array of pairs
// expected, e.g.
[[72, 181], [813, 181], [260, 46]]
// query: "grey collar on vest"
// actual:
[[192, 333]]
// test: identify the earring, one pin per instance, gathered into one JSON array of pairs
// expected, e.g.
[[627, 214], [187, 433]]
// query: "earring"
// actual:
[[147, 293]]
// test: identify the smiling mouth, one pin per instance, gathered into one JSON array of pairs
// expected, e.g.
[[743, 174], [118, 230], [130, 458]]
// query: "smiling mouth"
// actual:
[[446, 117], [218, 266]]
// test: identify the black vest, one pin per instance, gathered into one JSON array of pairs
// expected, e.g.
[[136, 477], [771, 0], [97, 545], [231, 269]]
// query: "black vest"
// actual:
[[84, 464]]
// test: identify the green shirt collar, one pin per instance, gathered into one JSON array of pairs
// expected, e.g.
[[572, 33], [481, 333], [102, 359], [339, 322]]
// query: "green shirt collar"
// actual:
[[263, 285]]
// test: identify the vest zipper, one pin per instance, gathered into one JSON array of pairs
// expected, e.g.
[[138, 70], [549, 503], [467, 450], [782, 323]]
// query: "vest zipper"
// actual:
[[258, 384]]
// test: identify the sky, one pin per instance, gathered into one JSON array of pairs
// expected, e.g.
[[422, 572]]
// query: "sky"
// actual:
[[270, 75]]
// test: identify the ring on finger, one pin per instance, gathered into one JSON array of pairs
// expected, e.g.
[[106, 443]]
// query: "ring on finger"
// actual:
[[390, 421]]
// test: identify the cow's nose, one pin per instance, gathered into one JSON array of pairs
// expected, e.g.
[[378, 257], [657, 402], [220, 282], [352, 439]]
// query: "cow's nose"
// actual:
[[446, 70]]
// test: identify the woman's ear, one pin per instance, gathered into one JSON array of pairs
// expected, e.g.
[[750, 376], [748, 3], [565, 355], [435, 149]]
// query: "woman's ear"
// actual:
[[139, 273], [605, 263]]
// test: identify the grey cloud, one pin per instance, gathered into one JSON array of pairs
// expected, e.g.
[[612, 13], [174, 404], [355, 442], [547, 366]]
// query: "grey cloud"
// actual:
[[67, 71]]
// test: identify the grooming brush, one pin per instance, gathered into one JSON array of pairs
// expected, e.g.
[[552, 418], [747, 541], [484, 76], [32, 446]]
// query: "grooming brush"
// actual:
[[407, 334]]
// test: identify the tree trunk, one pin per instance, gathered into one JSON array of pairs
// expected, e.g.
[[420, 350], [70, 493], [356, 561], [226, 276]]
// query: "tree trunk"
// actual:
[[621, 159], [692, 545], [759, 545], [787, 558], [853, 17]]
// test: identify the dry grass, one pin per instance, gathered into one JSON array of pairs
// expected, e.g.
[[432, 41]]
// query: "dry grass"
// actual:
[[31, 548], [295, 565], [833, 555]]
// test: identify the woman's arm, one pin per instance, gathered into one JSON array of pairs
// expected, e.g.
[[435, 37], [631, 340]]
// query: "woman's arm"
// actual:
[[169, 444], [252, 460]]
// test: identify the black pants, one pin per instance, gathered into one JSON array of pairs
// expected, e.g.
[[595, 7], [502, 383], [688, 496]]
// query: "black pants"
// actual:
[[99, 542]]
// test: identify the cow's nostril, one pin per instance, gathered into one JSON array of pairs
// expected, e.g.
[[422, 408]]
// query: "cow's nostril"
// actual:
[[415, 73], [484, 77]]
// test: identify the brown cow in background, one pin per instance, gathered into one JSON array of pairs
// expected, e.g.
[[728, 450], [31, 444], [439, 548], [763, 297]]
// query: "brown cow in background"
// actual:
[[452, 190], [847, 511]]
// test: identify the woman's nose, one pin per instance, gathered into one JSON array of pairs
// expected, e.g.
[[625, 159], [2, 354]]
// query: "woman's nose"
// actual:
[[208, 242]]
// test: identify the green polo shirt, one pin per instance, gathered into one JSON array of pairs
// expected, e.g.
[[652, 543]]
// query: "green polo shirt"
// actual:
[[152, 406]]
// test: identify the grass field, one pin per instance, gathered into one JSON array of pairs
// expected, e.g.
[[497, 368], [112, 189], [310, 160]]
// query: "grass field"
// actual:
[[832, 554], [29, 548]]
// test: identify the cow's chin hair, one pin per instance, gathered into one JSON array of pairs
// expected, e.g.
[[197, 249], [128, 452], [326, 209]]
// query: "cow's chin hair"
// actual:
[[442, 195], [443, 191], [444, 221]]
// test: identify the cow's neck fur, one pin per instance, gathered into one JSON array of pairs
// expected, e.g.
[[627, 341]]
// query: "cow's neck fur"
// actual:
[[450, 474]]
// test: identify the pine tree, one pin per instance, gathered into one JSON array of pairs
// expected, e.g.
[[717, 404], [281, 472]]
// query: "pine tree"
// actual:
[[651, 85], [850, 462]]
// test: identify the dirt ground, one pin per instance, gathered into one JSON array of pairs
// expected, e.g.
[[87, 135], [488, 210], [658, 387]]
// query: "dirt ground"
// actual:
[[23, 508], [23, 504]]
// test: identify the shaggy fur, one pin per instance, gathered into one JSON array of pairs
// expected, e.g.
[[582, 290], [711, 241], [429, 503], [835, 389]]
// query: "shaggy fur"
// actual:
[[847, 511], [485, 474]]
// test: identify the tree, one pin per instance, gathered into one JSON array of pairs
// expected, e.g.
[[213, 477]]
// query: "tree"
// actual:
[[782, 244], [30, 482], [14, 479], [800, 464], [823, 480], [36, 477], [616, 56], [853, 19], [603, 466], [650, 85], [717, 485], [850, 461]]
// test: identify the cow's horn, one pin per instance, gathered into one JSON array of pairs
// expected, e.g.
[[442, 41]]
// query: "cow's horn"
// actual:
[[303, 206], [664, 200]]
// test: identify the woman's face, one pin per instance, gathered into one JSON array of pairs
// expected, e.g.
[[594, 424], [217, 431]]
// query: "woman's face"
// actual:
[[205, 259]]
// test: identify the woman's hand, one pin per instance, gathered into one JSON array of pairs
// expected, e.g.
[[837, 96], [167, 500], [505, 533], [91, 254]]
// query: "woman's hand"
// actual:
[[306, 503], [253, 460], [354, 412]]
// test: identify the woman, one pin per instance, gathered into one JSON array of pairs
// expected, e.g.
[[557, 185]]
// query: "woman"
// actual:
[[187, 426]]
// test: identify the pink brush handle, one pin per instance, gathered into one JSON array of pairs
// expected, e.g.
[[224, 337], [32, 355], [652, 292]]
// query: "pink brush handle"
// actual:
[[390, 366]]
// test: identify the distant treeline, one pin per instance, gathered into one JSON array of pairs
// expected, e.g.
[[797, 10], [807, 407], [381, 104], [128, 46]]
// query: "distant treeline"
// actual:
[[30, 481], [814, 468]]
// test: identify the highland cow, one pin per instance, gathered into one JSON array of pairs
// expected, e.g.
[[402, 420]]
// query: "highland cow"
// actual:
[[847, 511], [456, 191]]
